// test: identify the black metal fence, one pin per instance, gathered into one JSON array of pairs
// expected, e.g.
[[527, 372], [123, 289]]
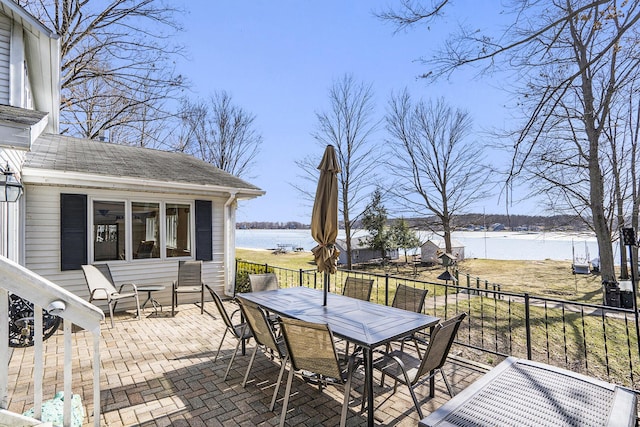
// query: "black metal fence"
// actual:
[[596, 340]]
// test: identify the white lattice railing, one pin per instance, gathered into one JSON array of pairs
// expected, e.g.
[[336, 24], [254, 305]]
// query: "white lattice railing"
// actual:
[[16, 279]]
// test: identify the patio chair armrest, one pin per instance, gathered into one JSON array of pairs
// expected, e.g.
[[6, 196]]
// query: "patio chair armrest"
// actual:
[[237, 310], [135, 288], [100, 291], [388, 357]]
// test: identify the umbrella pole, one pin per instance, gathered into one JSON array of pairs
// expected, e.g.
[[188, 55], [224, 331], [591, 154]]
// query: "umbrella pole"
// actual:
[[326, 287]]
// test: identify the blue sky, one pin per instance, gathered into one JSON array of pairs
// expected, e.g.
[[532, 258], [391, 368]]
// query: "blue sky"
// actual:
[[278, 60]]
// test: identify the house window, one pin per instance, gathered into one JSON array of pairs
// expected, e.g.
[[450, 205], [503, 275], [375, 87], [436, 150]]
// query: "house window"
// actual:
[[108, 231], [145, 229], [178, 230], [126, 230]]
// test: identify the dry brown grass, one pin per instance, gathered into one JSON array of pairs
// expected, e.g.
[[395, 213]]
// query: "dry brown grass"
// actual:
[[548, 278]]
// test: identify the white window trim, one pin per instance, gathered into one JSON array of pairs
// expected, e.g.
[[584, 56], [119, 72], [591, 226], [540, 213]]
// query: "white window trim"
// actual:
[[129, 228]]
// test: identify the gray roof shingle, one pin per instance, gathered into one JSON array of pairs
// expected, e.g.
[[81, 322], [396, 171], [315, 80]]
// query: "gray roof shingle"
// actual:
[[68, 154], [21, 116]]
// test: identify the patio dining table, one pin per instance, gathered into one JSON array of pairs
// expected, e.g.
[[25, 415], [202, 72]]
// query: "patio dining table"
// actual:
[[366, 324]]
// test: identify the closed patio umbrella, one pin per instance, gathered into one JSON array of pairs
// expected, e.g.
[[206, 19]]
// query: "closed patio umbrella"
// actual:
[[324, 217]]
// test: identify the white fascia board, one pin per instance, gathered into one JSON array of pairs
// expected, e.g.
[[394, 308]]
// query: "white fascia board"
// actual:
[[38, 128], [15, 135], [83, 180], [17, 12]]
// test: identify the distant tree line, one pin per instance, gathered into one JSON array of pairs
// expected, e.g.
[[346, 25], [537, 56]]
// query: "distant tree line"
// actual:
[[464, 221], [532, 222], [266, 225]]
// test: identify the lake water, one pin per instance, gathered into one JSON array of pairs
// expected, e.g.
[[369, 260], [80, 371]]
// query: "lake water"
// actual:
[[478, 244]]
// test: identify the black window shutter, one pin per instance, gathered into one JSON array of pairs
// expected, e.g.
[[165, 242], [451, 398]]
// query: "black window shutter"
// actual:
[[204, 236], [73, 231]]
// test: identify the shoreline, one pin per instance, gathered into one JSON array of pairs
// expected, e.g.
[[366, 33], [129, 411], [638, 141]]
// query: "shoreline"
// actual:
[[499, 245]]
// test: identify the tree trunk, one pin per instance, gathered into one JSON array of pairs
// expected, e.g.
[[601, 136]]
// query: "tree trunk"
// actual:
[[347, 230], [593, 132], [603, 234], [446, 225], [624, 273]]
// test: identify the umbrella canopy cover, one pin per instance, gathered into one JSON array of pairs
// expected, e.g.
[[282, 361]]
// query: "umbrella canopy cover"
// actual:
[[324, 218]]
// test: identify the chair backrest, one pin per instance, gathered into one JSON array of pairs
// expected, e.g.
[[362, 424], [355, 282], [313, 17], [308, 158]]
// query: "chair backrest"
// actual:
[[145, 248], [189, 273], [311, 347], [98, 276], [221, 309], [260, 326], [439, 345], [409, 298], [263, 282], [356, 287]]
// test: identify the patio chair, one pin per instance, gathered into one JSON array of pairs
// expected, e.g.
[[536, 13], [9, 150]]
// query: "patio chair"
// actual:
[[412, 371], [265, 337], [145, 249], [359, 288], [410, 299], [356, 287], [263, 282], [311, 348], [102, 287], [240, 330], [189, 282]]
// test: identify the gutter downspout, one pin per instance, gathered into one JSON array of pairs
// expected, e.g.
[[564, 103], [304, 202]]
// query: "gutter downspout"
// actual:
[[229, 249]]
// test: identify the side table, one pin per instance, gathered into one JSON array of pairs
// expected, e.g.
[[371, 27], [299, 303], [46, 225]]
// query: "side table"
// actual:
[[148, 289], [521, 392]]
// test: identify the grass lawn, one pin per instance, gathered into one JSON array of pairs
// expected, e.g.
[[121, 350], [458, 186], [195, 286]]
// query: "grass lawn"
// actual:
[[548, 278]]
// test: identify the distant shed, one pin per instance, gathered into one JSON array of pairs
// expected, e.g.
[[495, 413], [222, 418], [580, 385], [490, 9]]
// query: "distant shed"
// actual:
[[360, 252], [432, 248]]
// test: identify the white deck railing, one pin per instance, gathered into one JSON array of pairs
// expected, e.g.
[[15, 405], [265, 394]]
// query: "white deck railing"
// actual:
[[16, 279]]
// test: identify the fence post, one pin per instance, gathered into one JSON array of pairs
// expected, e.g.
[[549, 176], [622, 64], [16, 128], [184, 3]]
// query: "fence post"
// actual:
[[300, 278], [527, 322], [266, 268], [386, 289], [456, 274]]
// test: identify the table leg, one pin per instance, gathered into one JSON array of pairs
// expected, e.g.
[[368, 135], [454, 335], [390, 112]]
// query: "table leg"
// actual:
[[148, 299], [154, 303], [432, 380], [368, 383]]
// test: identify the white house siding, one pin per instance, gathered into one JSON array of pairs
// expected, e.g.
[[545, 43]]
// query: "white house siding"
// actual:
[[215, 267], [43, 246], [10, 213], [5, 43]]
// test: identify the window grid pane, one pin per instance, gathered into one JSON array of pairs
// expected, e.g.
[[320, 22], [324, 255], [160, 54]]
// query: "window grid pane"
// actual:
[[178, 230], [108, 231], [145, 229]]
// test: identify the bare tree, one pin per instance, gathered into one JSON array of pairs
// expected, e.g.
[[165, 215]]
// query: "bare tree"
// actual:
[[621, 133], [573, 56], [220, 133], [437, 167], [348, 125], [117, 68]]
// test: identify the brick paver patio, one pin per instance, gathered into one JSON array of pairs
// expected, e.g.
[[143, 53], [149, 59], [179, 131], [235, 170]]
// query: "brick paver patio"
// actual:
[[159, 371]]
